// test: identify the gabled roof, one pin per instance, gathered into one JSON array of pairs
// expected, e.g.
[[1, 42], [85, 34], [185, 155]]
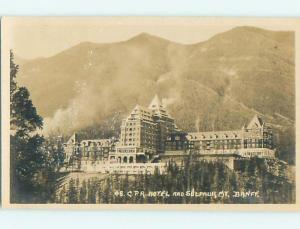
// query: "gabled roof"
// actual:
[[102, 142], [139, 110], [158, 108], [215, 135], [155, 103], [73, 139], [256, 122]]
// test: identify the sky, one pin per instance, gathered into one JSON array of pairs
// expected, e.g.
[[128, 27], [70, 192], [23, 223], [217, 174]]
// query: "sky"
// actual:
[[31, 37]]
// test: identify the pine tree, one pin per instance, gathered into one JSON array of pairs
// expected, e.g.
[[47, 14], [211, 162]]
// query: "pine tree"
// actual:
[[62, 195], [56, 156], [72, 194], [27, 156], [83, 193]]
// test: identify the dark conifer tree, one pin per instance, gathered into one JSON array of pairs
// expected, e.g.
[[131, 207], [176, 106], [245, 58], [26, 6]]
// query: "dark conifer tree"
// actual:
[[27, 157], [83, 193], [72, 193]]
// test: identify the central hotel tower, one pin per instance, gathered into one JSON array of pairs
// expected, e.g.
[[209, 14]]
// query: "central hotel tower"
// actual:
[[144, 132]]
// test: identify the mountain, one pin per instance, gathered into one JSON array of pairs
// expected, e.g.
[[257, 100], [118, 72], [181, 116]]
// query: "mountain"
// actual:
[[218, 84]]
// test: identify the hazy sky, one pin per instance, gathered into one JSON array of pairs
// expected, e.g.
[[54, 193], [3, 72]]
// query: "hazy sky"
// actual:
[[43, 37]]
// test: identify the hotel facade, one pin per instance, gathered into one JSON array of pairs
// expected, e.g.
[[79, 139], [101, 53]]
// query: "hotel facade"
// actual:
[[149, 137]]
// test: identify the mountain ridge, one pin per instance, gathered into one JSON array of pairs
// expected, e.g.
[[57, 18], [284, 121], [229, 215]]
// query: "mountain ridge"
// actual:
[[222, 81]]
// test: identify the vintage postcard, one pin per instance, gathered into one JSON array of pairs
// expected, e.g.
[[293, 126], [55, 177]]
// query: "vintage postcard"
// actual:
[[184, 113]]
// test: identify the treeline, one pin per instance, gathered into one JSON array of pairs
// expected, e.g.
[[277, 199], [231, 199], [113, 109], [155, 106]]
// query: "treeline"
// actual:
[[192, 174]]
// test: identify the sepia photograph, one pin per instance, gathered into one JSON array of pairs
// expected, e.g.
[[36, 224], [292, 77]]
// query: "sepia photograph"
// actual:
[[156, 112]]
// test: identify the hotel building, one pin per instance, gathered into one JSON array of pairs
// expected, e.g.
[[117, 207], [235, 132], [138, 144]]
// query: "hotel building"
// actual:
[[149, 135], [254, 140], [144, 133]]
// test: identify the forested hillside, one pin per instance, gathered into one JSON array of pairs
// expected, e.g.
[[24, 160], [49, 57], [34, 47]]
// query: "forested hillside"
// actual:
[[257, 181]]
